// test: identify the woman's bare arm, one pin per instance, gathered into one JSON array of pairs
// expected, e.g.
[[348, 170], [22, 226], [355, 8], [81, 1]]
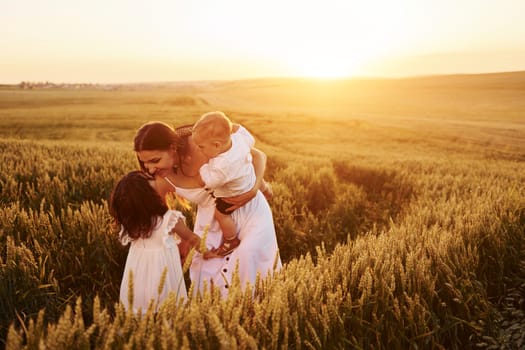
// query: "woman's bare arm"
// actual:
[[260, 183], [259, 165]]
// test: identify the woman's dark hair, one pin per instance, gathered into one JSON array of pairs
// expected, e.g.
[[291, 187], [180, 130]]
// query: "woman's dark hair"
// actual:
[[136, 205], [159, 136]]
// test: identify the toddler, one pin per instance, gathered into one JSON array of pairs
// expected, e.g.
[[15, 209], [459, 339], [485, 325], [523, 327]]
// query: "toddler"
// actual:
[[229, 170]]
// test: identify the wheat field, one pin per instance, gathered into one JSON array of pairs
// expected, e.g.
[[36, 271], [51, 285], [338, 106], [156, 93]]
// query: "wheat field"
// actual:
[[399, 207]]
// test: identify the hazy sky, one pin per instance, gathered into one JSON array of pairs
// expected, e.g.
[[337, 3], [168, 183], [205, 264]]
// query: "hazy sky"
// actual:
[[172, 40]]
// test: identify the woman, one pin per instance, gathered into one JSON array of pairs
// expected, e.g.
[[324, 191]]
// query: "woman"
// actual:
[[174, 160]]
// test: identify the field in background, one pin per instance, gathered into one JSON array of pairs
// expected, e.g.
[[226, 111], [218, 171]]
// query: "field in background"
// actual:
[[479, 110], [403, 199]]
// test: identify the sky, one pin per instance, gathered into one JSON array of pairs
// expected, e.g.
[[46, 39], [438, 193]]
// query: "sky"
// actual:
[[122, 41]]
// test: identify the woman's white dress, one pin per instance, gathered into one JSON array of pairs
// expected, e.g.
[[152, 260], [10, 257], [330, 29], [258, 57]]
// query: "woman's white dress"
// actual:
[[257, 253], [147, 260]]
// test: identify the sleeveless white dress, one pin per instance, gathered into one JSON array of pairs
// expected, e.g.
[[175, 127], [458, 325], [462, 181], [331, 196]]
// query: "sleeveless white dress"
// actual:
[[257, 253], [147, 259]]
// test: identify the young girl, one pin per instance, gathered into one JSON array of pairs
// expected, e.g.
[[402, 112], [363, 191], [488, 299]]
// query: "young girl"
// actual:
[[153, 267]]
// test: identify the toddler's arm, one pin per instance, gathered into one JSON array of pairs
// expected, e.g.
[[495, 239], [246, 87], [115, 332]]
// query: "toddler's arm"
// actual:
[[259, 165], [212, 177]]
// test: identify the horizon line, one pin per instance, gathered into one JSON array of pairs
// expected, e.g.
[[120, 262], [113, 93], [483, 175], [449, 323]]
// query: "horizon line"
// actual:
[[298, 77]]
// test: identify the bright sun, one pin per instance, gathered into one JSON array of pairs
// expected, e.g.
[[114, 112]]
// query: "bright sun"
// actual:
[[342, 44], [328, 67], [329, 61], [338, 40]]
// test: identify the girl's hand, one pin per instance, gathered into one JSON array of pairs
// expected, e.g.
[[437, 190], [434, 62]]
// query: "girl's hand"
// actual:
[[210, 254], [184, 249], [194, 241], [185, 246]]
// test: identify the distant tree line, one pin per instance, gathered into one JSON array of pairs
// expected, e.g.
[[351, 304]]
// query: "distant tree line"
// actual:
[[30, 85]]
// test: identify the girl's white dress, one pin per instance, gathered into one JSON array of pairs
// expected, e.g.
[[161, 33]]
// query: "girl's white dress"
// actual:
[[257, 254], [147, 260]]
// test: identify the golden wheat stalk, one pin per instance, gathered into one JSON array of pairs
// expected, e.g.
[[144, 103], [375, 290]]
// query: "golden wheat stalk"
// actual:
[[130, 290], [176, 202]]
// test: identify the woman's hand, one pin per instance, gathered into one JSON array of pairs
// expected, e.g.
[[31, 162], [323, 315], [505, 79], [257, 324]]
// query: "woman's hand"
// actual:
[[266, 190], [240, 200]]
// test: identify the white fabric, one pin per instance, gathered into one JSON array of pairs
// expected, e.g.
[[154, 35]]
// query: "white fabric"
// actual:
[[257, 253], [147, 259], [231, 173]]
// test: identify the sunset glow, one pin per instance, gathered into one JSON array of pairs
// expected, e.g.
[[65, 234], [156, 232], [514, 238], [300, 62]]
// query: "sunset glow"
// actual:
[[165, 40]]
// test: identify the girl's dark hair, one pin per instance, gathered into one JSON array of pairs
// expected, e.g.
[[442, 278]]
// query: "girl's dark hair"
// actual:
[[136, 205], [159, 136]]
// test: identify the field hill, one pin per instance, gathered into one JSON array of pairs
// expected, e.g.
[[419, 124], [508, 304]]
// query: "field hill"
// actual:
[[399, 206], [464, 107]]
